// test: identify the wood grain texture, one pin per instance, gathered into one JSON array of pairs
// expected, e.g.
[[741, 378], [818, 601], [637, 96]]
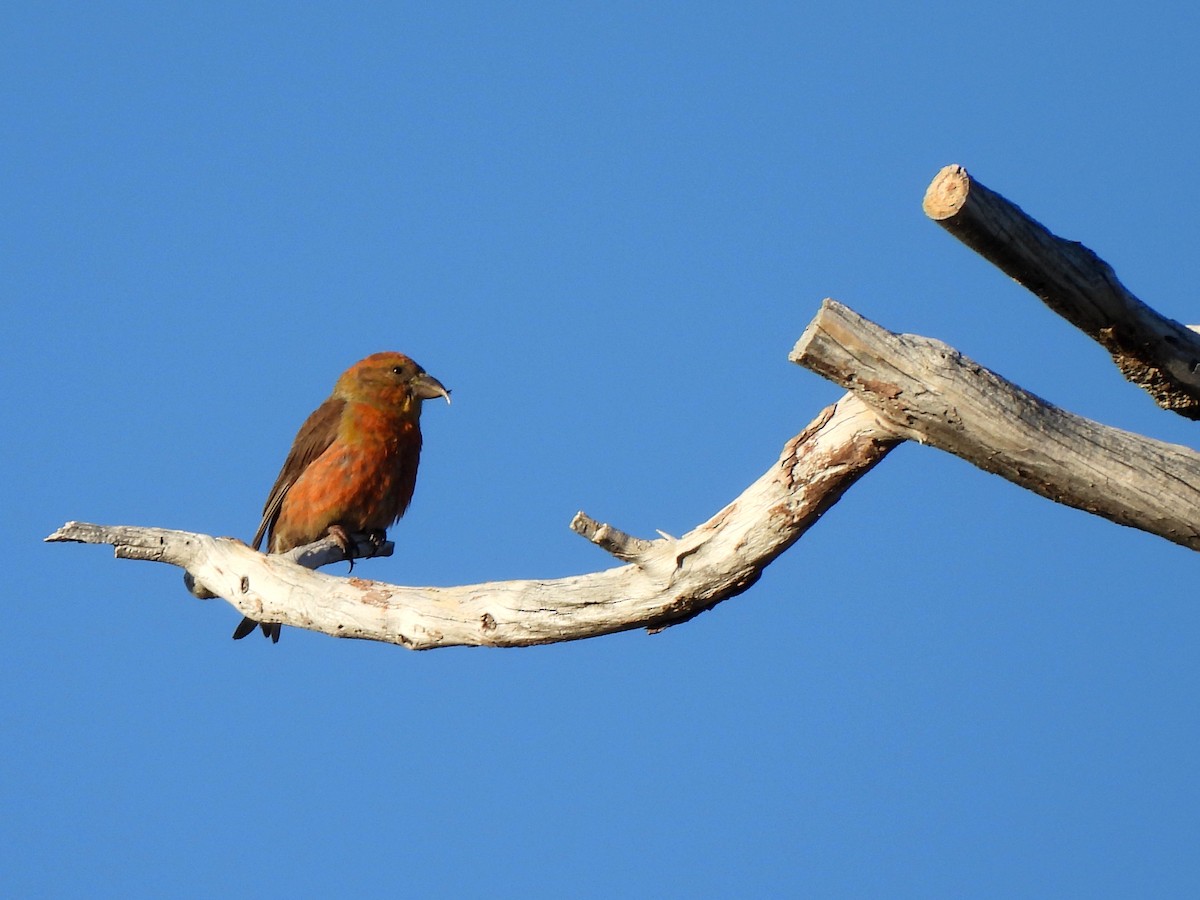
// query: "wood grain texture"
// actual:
[[928, 392], [1156, 353]]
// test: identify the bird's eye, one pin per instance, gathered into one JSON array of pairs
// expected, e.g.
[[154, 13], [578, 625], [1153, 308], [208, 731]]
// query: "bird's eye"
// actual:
[[397, 370]]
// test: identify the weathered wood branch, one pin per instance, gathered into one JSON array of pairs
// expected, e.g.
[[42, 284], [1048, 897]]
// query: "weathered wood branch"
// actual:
[[1154, 352], [902, 387], [668, 581], [928, 392], [323, 552]]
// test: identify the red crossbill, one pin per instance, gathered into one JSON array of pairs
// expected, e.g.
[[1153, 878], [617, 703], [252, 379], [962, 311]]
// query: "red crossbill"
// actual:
[[353, 465]]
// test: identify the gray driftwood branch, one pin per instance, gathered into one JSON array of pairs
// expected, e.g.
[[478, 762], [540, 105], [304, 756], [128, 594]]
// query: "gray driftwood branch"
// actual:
[[927, 391], [1154, 352], [667, 581]]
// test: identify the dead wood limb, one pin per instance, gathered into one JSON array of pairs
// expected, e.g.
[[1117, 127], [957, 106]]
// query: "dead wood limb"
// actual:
[[1154, 352], [324, 552], [929, 392], [668, 581]]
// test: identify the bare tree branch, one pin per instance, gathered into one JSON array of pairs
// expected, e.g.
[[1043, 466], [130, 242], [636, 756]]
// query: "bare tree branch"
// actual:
[[668, 581], [323, 552], [1154, 352], [902, 387], [928, 392]]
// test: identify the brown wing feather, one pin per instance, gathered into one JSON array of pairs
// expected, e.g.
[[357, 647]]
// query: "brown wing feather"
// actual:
[[316, 434]]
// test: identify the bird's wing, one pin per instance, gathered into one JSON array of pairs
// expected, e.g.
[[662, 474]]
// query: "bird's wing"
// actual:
[[316, 434]]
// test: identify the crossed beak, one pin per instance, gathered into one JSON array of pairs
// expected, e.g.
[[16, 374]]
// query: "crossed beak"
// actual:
[[426, 387]]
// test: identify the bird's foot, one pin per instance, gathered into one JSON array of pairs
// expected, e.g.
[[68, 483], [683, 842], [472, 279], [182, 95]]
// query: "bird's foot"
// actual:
[[342, 538], [377, 538]]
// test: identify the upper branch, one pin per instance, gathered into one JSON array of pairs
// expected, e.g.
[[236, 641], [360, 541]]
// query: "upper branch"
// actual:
[[668, 580], [1154, 352], [929, 392]]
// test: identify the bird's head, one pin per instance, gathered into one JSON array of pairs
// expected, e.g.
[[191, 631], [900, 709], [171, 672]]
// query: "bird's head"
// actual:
[[389, 380]]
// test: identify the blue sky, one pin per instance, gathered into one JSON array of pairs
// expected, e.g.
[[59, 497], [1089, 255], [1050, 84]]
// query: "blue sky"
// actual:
[[604, 226]]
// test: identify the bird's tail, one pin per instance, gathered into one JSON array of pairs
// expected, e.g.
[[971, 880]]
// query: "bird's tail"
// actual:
[[269, 629]]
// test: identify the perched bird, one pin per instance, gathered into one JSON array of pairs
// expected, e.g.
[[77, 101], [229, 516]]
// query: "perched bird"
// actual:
[[353, 465]]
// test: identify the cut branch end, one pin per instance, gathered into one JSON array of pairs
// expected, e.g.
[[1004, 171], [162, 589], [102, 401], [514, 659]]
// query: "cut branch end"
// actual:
[[947, 193]]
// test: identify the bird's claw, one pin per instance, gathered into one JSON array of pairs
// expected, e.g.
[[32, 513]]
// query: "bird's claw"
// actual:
[[377, 537], [341, 537]]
